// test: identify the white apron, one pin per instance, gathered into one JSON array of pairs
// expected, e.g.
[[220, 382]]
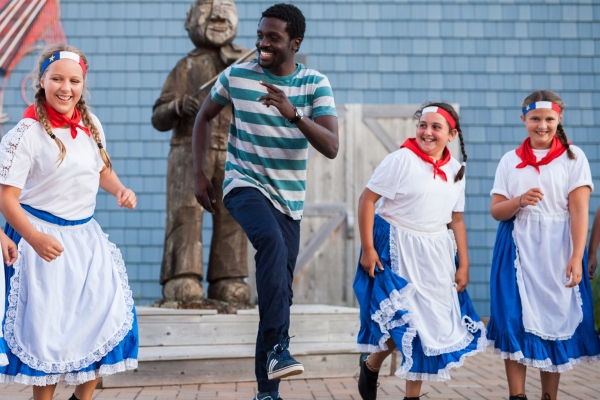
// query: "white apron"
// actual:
[[426, 260], [544, 246], [66, 314]]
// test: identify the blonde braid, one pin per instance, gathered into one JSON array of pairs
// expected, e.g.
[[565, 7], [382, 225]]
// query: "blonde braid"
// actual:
[[40, 110], [89, 123]]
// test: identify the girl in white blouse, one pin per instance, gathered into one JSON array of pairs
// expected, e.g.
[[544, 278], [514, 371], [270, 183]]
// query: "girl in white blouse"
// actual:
[[541, 304], [69, 310], [412, 295]]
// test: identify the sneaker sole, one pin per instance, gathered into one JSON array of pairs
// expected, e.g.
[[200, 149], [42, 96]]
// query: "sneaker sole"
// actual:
[[285, 372]]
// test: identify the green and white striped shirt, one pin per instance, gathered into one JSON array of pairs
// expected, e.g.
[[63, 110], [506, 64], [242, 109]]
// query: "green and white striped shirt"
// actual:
[[265, 150]]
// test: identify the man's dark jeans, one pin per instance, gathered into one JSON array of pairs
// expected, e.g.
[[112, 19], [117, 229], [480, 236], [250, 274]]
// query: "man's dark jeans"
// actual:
[[276, 238]]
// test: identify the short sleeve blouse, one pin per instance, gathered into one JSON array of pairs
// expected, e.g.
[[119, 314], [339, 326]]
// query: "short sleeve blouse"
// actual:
[[410, 193], [556, 180], [29, 161]]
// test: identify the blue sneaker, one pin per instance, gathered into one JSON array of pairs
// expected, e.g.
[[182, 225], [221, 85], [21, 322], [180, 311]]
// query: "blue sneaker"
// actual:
[[270, 396], [280, 364]]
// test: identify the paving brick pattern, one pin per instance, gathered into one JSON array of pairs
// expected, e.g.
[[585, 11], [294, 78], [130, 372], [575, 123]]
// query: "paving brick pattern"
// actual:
[[481, 378]]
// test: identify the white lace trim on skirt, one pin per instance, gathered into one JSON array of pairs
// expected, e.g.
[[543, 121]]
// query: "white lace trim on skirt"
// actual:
[[71, 378], [543, 365], [443, 374]]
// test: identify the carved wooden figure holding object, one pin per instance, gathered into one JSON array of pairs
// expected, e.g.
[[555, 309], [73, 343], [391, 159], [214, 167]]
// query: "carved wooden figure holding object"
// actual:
[[211, 26]]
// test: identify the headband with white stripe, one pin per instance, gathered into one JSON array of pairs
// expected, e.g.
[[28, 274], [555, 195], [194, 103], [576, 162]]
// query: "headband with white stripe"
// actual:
[[542, 104], [442, 112], [60, 56]]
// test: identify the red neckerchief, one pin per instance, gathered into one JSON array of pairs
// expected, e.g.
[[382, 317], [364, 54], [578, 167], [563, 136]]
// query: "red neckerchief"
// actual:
[[57, 119], [525, 153], [411, 144]]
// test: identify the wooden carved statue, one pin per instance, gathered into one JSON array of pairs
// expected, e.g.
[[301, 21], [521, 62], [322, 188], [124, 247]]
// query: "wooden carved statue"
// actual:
[[211, 26]]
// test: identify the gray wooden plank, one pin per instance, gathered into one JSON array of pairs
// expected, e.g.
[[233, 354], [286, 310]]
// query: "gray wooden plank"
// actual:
[[309, 324], [323, 209], [317, 241], [389, 110], [161, 373], [141, 310], [381, 134], [156, 353]]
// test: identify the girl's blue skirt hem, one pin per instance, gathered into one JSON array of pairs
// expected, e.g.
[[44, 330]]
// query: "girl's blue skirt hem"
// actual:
[[121, 358], [506, 331], [384, 315]]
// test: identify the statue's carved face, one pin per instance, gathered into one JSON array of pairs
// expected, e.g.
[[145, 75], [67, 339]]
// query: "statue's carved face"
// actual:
[[212, 23]]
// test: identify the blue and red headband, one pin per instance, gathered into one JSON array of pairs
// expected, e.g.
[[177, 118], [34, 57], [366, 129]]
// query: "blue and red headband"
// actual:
[[61, 56], [542, 104]]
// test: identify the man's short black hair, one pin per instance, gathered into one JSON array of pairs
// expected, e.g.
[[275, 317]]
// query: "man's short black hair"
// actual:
[[289, 13]]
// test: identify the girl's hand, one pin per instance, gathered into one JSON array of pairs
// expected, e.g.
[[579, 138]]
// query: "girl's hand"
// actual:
[[461, 278], [9, 250], [574, 272], [126, 198], [531, 197], [46, 246], [592, 264], [368, 260]]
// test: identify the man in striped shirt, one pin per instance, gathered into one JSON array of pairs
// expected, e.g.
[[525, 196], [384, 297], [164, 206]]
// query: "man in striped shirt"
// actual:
[[279, 107]]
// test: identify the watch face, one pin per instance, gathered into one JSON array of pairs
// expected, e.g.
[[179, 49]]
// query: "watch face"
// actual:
[[299, 112]]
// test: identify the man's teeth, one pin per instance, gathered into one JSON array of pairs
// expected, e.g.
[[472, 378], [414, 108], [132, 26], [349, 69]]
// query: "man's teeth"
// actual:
[[265, 54]]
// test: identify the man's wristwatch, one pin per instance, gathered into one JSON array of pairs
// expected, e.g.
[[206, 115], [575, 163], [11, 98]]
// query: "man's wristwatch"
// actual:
[[298, 116]]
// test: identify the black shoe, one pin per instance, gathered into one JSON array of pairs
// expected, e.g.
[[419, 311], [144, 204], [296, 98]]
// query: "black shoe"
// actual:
[[73, 397], [367, 381], [518, 397]]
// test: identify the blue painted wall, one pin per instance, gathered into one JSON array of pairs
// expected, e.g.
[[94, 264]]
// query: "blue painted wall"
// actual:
[[485, 55]]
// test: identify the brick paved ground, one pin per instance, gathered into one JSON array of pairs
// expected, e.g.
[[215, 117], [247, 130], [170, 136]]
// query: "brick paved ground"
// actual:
[[482, 377]]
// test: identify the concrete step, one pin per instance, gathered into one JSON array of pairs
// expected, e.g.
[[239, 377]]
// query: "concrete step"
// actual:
[[180, 347]]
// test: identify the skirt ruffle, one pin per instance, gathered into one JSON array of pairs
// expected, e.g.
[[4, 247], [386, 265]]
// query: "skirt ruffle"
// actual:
[[505, 328], [3, 352], [121, 358], [384, 314]]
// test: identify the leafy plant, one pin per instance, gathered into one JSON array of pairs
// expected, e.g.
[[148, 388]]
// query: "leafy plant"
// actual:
[[596, 297]]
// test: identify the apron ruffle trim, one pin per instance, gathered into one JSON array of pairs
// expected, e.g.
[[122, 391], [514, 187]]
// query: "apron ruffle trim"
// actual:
[[65, 368]]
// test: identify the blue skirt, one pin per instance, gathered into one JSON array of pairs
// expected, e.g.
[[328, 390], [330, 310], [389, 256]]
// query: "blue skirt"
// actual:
[[121, 358], [389, 289], [506, 331]]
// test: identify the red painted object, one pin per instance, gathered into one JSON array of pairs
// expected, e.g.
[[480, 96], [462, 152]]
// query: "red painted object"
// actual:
[[23, 23]]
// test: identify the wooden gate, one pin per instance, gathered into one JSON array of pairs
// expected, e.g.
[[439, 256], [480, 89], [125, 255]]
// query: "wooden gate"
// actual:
[[329, 239]]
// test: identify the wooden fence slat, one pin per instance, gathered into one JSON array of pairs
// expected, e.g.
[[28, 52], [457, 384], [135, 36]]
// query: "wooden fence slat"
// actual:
[[317, 241], [381, 134]]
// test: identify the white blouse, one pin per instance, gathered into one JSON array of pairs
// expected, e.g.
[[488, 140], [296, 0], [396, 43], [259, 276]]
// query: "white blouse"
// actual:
[[29, 161], [557, 179], [411, 195]]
